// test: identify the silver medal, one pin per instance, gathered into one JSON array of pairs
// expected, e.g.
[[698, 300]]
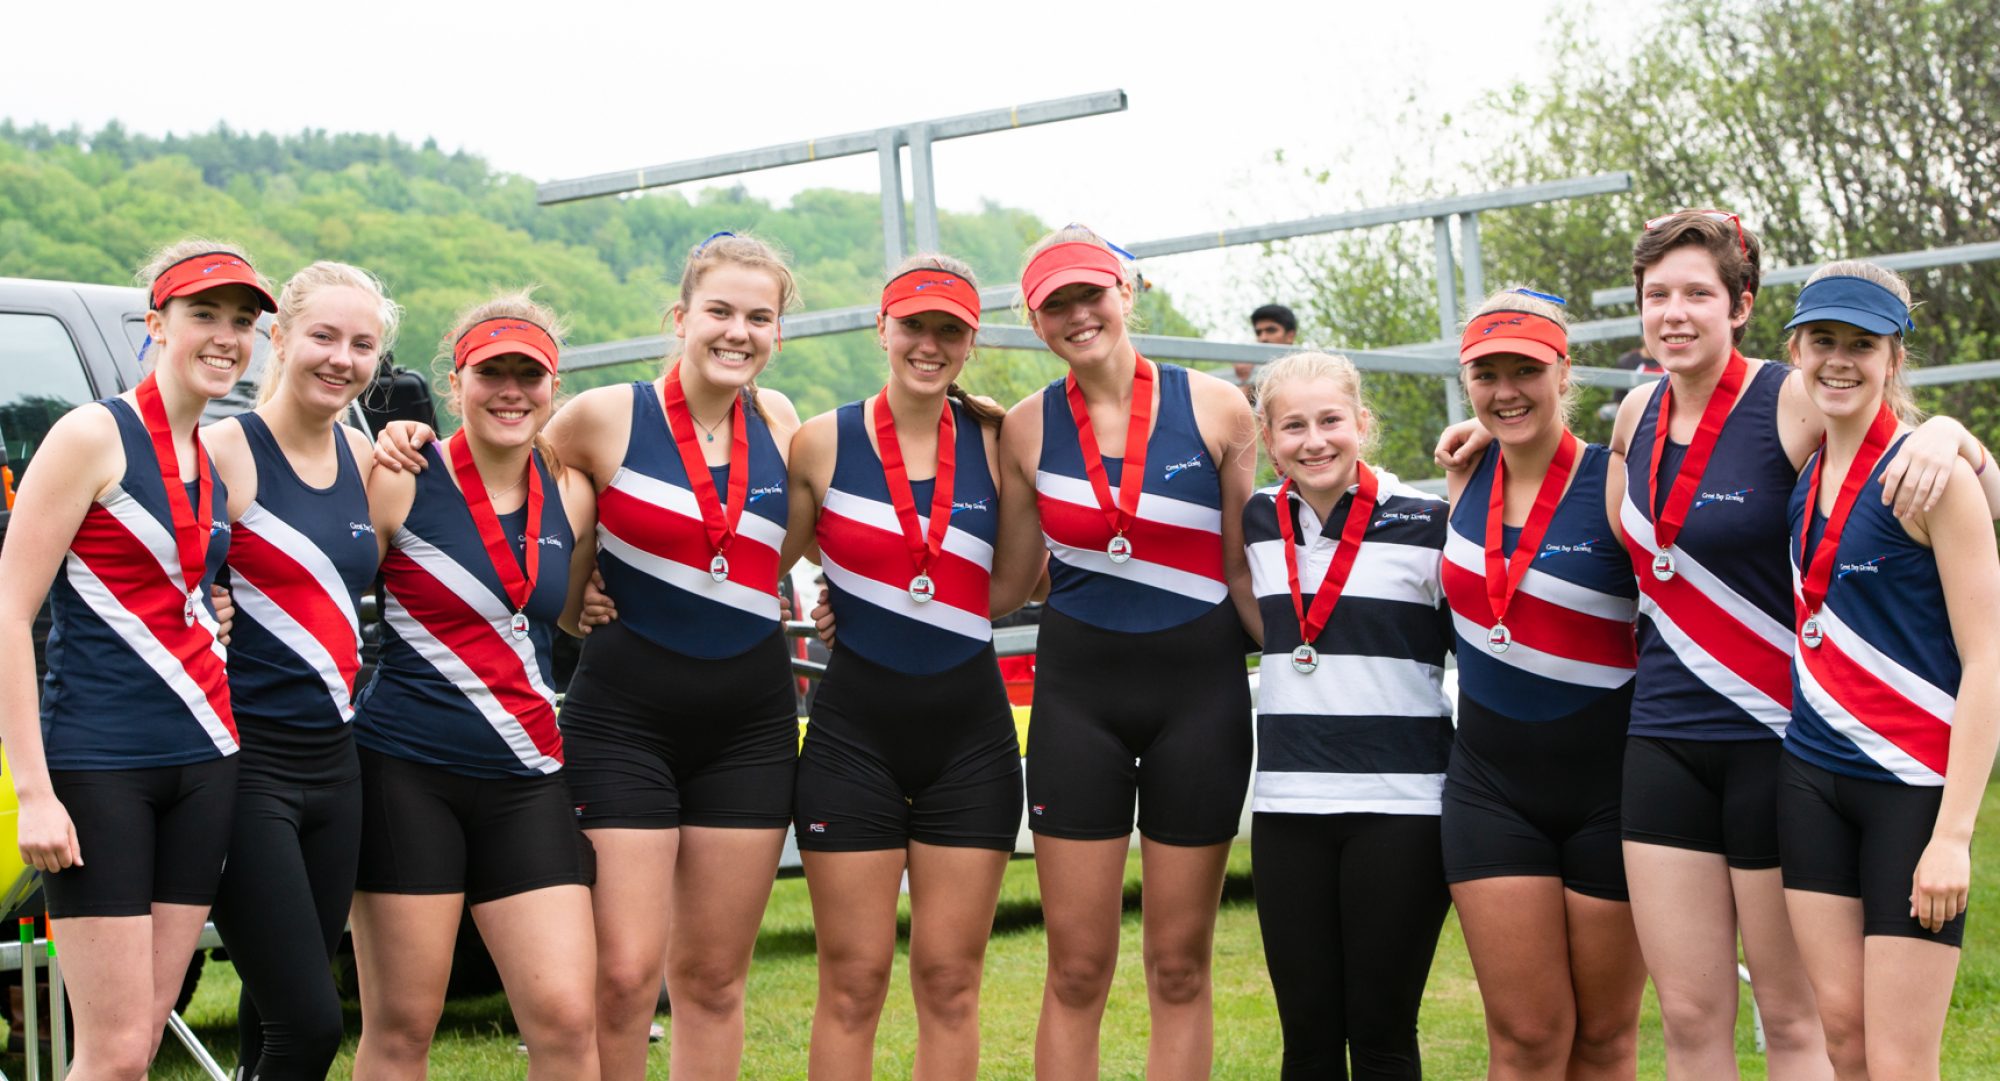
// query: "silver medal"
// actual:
[[1811, 635], [1119, 549], [518, 626], [1663, 566], [922, 589], [1499, 638], [718, 568], [1305, 659], [187, 610]]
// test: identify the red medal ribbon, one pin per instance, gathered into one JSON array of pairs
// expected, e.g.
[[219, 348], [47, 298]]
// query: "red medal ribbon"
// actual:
[[924, 546], [1137, 430], [1503, 575], [718, 520], [1359, 512], [1819, 568], [191, 523], [519, 586], [1667, 525]]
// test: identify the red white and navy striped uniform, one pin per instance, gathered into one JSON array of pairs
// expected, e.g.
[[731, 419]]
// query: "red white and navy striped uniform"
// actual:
[[1875, 700], [867, 560], [654, 552], [1715, 641], [299, 560], [1175, 573], [1571, 620], [1370, 730], [453, 687], [130, 684]]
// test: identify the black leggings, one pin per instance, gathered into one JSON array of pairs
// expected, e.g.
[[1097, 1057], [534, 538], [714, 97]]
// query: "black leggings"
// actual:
[[283, 902], [1350, 906]]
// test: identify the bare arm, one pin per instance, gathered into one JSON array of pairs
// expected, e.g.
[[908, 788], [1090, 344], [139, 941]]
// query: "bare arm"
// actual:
[[390, 494], [809, 470], [1018, 552], [1222, 409], [78, 460], [1459, 445], [580, 503], [781, 415]]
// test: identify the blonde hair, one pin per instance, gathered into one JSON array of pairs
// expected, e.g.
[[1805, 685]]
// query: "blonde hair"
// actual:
[[520, 304], [985, 413], [182, 249], [736, 249], [1304, 368], [1523, 298], [300, 290], [1077, 234], [1896, 389]]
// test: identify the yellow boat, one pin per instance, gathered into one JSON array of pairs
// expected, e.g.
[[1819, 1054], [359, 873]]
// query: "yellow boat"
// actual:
[[17, 879]]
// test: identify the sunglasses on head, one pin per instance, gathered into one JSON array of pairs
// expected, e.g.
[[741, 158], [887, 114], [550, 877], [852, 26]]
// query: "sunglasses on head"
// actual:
[[1714, 215]]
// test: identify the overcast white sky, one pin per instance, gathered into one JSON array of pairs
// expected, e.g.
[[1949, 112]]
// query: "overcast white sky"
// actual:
[[557, 90]]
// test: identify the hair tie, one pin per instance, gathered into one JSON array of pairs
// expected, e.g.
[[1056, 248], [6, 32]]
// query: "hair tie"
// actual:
[[699, 248], [1550, 297]]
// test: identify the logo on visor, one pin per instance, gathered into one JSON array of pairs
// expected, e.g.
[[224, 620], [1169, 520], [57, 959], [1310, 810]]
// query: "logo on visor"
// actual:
[[923, 285], [496, 331], [1498, 323]]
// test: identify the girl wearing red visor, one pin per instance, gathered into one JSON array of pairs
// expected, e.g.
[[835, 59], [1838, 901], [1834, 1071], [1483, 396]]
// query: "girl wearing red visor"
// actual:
[[1895, 681], [1542, 602], [911, 761], [463, 796], [127, 783], [1134, 475]]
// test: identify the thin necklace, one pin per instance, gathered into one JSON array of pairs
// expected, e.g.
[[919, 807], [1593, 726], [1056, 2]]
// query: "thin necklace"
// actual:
[[510, 487], [709, 429]]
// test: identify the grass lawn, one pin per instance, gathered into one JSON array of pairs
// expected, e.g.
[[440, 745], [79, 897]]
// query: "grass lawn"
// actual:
[[476, 1041]]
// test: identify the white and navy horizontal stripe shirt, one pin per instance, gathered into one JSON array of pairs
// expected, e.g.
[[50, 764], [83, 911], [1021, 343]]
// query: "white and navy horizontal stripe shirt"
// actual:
[[1370, 730]]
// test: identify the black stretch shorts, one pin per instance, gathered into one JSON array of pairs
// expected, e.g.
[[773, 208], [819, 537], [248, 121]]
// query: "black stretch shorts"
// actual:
[[426, 830], [654, 739], [146, 835], [1716, 796], [1538, 799], [891, 758], [1859, 838], [1164, 716]]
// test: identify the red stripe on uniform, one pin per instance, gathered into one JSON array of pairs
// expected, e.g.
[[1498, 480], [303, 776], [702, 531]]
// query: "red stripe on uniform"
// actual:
[[1195, 551], [1542, 625], [1885, 710], [299, 593], [475, 642], [885, 557], [133, 574], [1719, 635], [684, 540]]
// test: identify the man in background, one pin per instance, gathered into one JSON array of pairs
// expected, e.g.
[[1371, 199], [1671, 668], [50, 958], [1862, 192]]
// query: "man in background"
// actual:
[[1274, 324]]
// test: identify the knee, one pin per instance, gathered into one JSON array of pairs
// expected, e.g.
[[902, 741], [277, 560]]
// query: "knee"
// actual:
[[1177, 979], [625, 986], [1606, 1041], [1081, 981], [1531, 1040], [853, 992], [1842, 1028], [706, 987], [400, 1037], [312, 1040], [1807, 1028], [1694, 1019], [947, 992], [123, 1057], [562, 1027]]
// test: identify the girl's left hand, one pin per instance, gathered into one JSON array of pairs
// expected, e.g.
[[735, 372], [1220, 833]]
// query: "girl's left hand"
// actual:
[[1942, 880], [225, 612], [1915, 478]]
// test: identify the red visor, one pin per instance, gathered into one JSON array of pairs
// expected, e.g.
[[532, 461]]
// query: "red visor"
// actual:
[[1534, 336], [1066, 264], [498, 337], [928, 289], [200, 273]]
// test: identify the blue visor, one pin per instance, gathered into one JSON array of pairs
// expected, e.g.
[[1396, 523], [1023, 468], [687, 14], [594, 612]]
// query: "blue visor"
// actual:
[[1854, 301]]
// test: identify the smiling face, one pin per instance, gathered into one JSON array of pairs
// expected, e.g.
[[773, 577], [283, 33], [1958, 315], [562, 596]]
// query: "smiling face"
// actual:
[[1083, 323], [203, 340], [1314, 432], [729, 326], [927, 350], [330, 349], [1686, 313], [1846, 369], [504, 400], [1517, 398]]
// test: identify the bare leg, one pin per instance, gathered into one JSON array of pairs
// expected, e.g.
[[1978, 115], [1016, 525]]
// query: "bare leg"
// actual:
[[1829, 936], [1795, 1042], [1516, 931], [1082, 886], [722, 881], [402, 948], [1183, 886], [1608, 976], [953, 892], [115, 1036], [1685, 910], [1908, 991], [854, 919], [631, 905], [542, 943]]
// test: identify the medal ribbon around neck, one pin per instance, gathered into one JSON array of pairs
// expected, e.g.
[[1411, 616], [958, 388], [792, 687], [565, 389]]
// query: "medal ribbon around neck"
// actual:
[[519, 586], [924, 546], [1680, 497], [1504, 575], [719, 520], [1818, 570], [1137, 429], [1359, 512], [191, 522]]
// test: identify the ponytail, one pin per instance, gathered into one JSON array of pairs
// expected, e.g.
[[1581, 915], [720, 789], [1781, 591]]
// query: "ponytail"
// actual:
[[986, 413]]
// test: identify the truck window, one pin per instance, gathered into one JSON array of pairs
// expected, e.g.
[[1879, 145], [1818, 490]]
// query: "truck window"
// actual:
[[41, 378], [243, 396]]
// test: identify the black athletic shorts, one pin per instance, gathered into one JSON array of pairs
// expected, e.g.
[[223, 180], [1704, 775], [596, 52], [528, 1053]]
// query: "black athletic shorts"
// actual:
[[147, 835], [1708, 795], [1538, 799], [427, 830], [654, 739], [892, 757], [1859, 838], [1164, 716]]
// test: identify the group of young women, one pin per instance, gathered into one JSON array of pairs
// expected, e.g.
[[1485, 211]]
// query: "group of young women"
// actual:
[[1631, 648]]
